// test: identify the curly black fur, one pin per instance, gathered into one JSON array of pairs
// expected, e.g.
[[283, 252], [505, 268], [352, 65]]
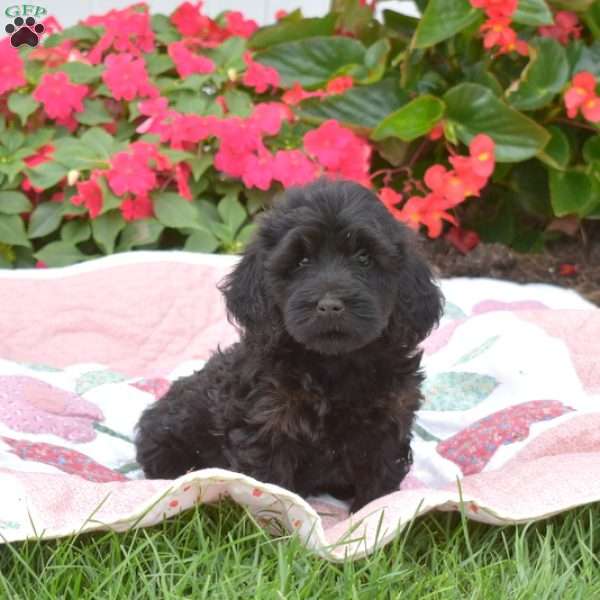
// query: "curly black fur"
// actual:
[[332, 300]]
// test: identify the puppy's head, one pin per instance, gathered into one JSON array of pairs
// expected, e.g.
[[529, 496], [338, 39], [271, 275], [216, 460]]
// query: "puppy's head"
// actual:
[[336, 270]]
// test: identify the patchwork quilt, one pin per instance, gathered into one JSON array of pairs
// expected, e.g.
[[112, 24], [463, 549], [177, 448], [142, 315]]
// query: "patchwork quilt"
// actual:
[[509, 431]]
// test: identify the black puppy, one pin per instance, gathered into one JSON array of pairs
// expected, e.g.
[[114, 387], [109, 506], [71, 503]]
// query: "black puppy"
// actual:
[[320, 393]]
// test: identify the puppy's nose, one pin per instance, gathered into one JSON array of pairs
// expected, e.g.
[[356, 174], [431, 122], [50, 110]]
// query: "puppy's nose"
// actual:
[[329, 305]]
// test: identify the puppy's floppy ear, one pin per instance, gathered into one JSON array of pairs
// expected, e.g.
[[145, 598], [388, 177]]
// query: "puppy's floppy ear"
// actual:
[[244, 289], [420, 299]]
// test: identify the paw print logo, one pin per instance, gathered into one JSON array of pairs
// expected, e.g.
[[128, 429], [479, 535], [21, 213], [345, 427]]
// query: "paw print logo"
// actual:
[[24, 32]]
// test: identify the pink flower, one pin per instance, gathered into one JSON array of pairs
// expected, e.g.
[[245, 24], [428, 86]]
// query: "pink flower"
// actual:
[[12, 74], [281, 14], [187, 63], [293, 167], [339, 85], [33, 406], [566, 24], [189, 19], [138, 207], [126, 30], [258, 170], [430, 211], [268, 116], [258, 76], [391, 198], [59, 96], [89, 194], [146, 152], [591, 109], [182, 130], [126, 77], [464, 240], [130, 173], [582, 95], [231, 160], [340, 151], [437, 132], [182, 177], [237, 25]]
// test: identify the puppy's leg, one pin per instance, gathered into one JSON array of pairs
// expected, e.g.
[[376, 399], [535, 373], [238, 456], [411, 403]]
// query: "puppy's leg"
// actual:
[[378, 465], [177, 433]]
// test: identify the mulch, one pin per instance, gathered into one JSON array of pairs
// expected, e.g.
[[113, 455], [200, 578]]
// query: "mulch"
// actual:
[[570, 262]]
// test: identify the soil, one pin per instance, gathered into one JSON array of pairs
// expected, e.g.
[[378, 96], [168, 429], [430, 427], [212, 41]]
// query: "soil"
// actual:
[[570, 262]]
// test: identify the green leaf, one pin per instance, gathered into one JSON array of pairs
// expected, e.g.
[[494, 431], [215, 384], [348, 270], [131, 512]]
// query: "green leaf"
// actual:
[[375, 61], [361, 106], [590, 151], [231, 211], [79, 72], [584, 58], [199, 165], [22, 105], [404, 25], [60, 254], [533, 12], [411, 121], [45, 219], [223, 232], [106, 228], [557, 152], [229, 55], [47, 174], [239, 103], [140, 233], [201, 241], [81, 33], [158, 63], [94, 113], [165, 31], [473, 109], [457, 390], [290, 31], [71, 153], [13, 203], [12, 140], [443, 19], [12, 231], [543, 78], [573, 192], [246, 233], [314, 61], [75, 232], [174, 211], [101, 142]]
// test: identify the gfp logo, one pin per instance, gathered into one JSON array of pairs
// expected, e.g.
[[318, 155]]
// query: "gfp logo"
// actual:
[[24, 29]]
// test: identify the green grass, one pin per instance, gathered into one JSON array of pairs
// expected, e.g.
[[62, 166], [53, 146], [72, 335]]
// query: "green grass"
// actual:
[[218, 552]]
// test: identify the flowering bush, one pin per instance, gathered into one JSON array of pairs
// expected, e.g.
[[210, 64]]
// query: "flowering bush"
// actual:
[[136, 131]]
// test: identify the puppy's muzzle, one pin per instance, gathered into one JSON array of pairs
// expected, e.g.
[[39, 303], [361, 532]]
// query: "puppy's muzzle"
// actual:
[[330, 306]]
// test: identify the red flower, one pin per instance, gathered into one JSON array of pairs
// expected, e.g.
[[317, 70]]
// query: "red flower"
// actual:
[[281, 14], [237, 25], [189, 19], [391, 198], [51, 25], [581, 92], [447, 184], [436, 132], [130, 173], [496, 8], [339, 85], [231, 160], [42, 155], [59, 96], [145, 152], [258, 76], [567, 270], [127, 30], [464, 240], [591, 109], [53, 57], [182, 177], [187, 63], [89, 193], [293, 167], [430, 211], [482, 155], [126, 77], [296, 94], [138, 207], [566, 24], [258, 170]]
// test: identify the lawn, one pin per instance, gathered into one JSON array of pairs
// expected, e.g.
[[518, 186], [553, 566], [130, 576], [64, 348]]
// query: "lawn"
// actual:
[[218, 552]]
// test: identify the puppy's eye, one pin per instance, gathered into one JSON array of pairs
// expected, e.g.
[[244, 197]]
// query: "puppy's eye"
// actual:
[[363, 258], [303, 262]]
